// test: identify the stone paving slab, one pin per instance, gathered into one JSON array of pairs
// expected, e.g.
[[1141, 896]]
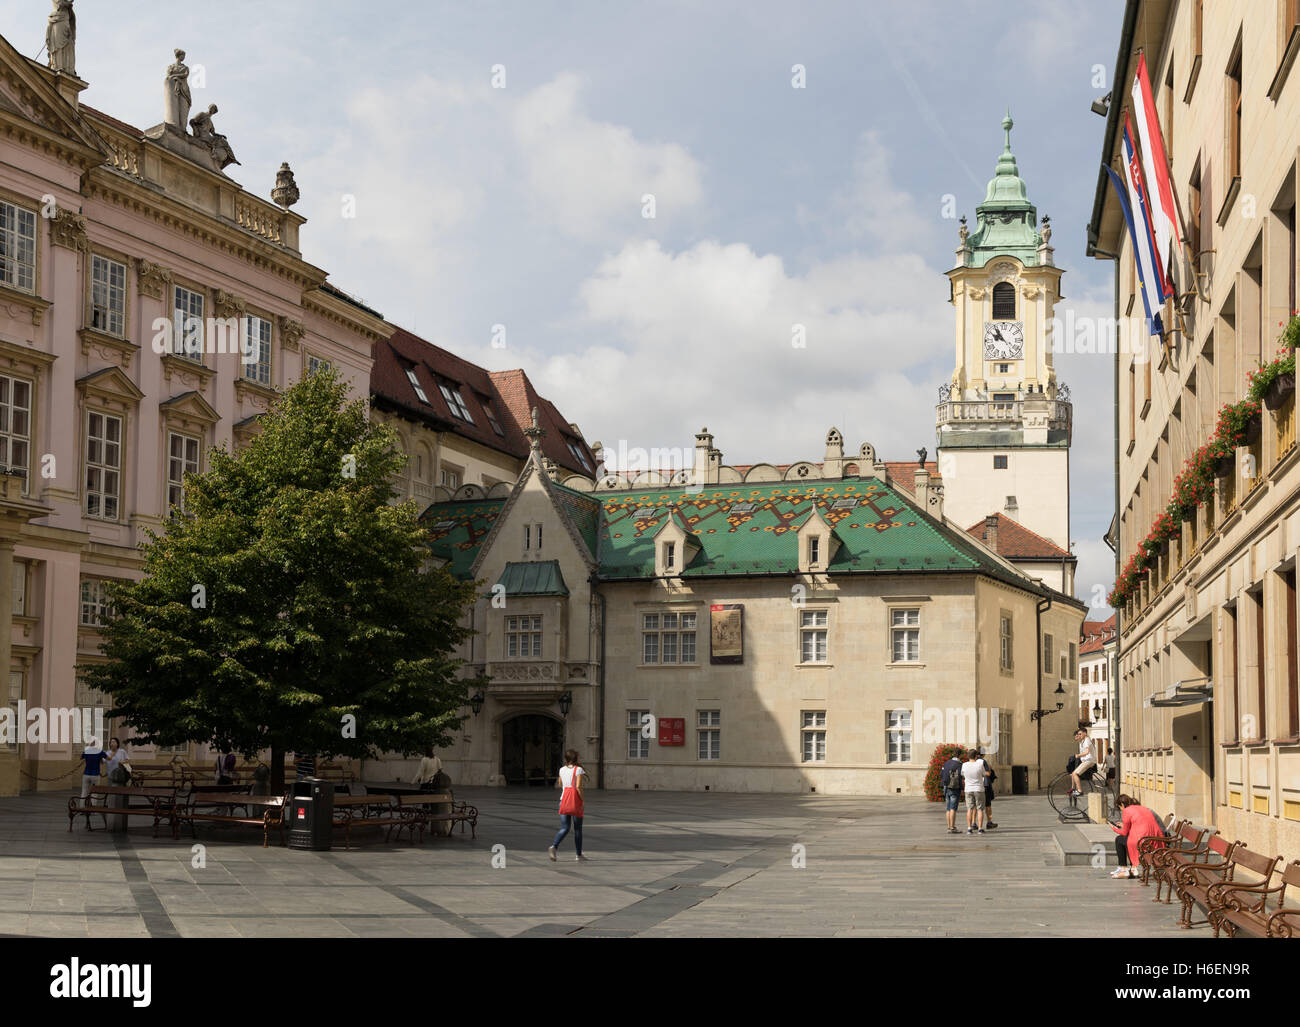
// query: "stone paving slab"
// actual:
[[662, 864]]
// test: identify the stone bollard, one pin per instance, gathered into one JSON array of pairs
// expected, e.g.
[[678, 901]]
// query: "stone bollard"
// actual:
[[1095, 813]]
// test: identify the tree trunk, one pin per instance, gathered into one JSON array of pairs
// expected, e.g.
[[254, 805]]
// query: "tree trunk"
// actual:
[[277, 770]]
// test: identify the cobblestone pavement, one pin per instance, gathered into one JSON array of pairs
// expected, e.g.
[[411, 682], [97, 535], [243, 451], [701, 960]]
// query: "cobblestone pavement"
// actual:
[[662, 864]]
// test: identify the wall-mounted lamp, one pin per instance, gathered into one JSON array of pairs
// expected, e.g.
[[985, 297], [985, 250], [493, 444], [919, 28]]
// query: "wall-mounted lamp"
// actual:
[[566, 703], [476, 702], [1101, 105]]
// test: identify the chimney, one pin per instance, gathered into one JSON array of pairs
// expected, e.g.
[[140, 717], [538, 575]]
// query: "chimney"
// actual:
[[991, 532], [703, 447], [921, 487]]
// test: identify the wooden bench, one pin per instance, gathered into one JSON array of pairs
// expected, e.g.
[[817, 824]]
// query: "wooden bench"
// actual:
[[1236, 906], [271, 805], [1190, 844], [417, 810], [1148, 847], [1194, 876], [362, 811], [160, 805]]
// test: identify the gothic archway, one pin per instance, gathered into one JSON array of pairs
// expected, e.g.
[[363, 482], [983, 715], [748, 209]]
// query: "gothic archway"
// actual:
[[532, 749]]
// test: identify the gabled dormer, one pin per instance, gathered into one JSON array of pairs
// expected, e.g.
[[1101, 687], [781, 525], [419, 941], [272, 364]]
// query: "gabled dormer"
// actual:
[[817, 543], [675, 547]]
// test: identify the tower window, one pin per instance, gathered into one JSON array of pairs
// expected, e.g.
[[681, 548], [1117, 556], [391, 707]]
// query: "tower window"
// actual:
[[1004, 302]]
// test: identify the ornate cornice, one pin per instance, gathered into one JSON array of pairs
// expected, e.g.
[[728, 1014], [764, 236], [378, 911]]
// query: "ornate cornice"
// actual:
[[225, 304], [188, 373], [291, 333], [255, 394], [69, 229], [154, 279], [107, 347], [12, 302]]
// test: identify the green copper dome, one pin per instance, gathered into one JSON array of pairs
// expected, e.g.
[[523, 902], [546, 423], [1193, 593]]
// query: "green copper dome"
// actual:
[[1006, 222]]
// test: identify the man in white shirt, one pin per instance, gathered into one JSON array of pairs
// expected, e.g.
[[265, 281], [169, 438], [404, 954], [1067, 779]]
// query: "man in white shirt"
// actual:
[[1086, 760], [973, 773]]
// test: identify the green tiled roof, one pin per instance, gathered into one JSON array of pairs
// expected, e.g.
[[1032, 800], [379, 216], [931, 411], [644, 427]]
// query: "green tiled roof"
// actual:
[[883, 532], [540, 578], [457, 529]]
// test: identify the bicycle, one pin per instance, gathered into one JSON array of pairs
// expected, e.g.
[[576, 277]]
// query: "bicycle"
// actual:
[[1068, 807]]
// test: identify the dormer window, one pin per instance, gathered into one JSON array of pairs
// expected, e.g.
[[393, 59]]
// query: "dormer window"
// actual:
[[455, 402], [577, 452], [415, 384], [814, 551], [670, 555], [1004, 302]]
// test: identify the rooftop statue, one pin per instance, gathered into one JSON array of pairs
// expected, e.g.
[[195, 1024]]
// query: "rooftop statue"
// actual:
[[61, 37], [176, 94], [205, 134]]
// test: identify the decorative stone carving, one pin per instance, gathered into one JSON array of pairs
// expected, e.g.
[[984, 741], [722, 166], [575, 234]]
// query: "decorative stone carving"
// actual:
[[68, 229], [226, 304], [1046, 230], [61, 38], [1031, 292], [963, 233], [206, 135], [975, 292], [176, 94], [291, 333], [285, 192], [1002, 272], [154, 279]]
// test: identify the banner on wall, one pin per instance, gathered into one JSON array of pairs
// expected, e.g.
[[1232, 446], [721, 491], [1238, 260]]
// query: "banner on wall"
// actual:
[[726, 635]]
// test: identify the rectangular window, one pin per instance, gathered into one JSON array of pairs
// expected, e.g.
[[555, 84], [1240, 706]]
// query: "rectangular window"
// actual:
[[999, 463], [578, 454], [1261, 677], [670, 555], [524, 637], [905, 635], [451, 479], [103, 465], [668, 638], [15, 422], [94, 602], [1194, 215], [187, 324], [710, 731], [17, 247], [20, 588], [1292, 678], [1004, 632], [1047, 655], [92, 698], [638, 741], [455, 402], [1234, 116], [314, 364], [1074, 660], [813, 728], [256, 359], [15, 695], [812, 629], [107, 295], [491, 415], [899, 733], [182, 459], [415, 384], [814, 551]]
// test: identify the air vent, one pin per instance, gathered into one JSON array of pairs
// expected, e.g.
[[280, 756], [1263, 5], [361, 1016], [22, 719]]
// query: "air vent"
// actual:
[[646, 513], [845, 504], [444, 525], [742, 508]]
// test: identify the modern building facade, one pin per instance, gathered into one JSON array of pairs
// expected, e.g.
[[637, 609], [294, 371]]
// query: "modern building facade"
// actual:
[[1209, 708]]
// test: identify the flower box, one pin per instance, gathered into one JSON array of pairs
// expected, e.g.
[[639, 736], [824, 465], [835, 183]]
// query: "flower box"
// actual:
[[1224, 465], [1278, 390], [1253, 428]]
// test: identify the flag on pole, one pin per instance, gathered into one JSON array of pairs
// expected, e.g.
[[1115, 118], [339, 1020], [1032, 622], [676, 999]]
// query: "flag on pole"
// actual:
[[1142, 250], [1164, 212]]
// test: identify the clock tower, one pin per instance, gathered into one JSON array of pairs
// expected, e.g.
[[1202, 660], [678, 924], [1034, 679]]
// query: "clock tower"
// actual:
[[1003, 422]]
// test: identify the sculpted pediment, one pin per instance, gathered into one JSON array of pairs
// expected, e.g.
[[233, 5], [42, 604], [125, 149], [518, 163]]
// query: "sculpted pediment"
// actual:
[[27, 93]]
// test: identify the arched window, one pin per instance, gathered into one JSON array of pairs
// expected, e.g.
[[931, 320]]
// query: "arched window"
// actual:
[[1004, 302]]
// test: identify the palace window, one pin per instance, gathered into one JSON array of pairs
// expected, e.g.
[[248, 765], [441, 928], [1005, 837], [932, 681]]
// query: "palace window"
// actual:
[[256, 358], [187, 324], [182, 459], [813, 729], [1004, 632], [523, 636], [455, 402], [15, 422], [314, 364], [107, 295], [1004, 302], [103, 465], [710, 732], [905, 632], [638, 740], [17, 247], [812, 636], [898, 730], [94, 602], [668, 638]]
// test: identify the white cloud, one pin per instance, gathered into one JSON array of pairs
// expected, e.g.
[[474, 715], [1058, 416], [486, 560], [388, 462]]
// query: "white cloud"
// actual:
[[587, 176], [874, 207]]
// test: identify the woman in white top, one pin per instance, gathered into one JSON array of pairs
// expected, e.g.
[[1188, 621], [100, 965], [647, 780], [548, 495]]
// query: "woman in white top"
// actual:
[[572, 780]]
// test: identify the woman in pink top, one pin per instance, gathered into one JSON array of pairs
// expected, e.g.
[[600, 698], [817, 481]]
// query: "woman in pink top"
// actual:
[[1137, 822]]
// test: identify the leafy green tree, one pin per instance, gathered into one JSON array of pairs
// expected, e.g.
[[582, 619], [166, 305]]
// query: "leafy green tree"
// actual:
[[291, 607]]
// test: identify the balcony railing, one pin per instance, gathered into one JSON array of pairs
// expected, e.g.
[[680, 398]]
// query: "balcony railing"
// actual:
[[987, 411], [1284, 428]]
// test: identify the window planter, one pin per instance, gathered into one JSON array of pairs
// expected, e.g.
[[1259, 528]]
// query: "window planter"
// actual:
[[1224, 465], [1278, 390]]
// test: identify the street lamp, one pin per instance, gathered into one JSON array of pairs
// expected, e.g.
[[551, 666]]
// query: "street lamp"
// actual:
[[1096, 709], [566, 702], [476, 702], [1060, 705]]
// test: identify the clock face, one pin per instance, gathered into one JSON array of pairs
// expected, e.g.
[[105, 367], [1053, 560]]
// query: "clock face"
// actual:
[[1004, 340]]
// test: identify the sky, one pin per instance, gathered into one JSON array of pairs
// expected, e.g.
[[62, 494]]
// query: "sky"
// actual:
[[480, 174]]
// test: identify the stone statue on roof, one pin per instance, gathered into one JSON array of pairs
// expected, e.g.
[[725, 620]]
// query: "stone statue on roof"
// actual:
[[176, 94], [207, 135], [61, 37]]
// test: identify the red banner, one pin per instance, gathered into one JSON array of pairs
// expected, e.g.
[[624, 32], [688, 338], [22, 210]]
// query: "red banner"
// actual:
[[672, 730]]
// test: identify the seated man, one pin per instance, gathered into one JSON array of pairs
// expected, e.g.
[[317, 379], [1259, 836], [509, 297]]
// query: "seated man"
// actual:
[[1087, 761]]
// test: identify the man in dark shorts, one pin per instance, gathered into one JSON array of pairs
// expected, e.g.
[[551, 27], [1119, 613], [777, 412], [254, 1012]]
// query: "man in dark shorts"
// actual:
[[988, 790], [950, 779]]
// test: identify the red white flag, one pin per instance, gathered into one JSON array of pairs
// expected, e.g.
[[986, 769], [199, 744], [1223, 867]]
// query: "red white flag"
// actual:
[[1155, 166]]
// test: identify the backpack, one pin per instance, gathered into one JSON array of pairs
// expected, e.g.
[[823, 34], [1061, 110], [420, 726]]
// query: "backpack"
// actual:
[[953, 781]]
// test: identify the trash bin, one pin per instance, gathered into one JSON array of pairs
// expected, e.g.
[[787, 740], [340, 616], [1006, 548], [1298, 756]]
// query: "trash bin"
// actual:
[[116, 821], [1019, 780], [311, 814]]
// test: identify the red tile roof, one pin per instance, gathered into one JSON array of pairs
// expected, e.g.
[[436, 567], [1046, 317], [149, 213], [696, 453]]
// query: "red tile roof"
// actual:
[[121, 126], [1095, 635], [1016, 542], [482, 391]]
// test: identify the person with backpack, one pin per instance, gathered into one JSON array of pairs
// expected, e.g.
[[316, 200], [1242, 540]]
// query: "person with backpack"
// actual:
[[988, 791], [573, 782], [117, 761], [973, 775], [950, 778]]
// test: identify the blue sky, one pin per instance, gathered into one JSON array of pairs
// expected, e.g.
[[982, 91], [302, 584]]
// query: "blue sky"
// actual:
[[522, 206]]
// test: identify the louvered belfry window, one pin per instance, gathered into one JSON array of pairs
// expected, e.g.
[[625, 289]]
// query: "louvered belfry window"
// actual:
[[1004, 302]]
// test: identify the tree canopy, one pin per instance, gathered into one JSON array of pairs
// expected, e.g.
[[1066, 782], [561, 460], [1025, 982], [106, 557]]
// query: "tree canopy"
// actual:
[[290, 606]]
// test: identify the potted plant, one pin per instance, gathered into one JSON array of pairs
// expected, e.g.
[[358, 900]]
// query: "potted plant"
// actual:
[[1271, 383]]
